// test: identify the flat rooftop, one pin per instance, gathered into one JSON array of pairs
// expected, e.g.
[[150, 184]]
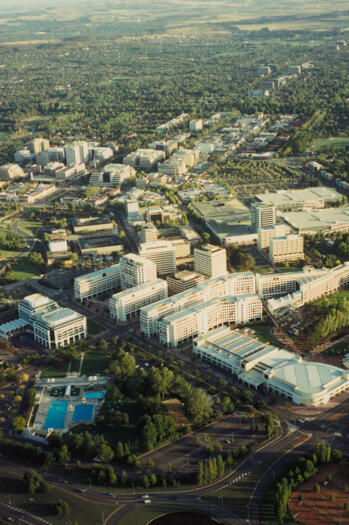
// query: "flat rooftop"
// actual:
[[317, 220], [284, 198], [216, 209], [99, 242]]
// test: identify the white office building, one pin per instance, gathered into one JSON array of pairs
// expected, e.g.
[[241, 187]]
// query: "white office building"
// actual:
[[98, 282], [76, 153], [148, 233], [178, 329], [262, 215], [146, 159], [257, 365], [268, 232], [35, 304], [210, 261], [286, 248], [112, 175], [228, 285], [126, 305], [61, 327], [273, 285], [162, 253], [135, 270]]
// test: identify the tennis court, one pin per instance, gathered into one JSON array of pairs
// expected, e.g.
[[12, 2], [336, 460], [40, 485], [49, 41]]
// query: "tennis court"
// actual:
[[94, 395], [82, 413], [56, 413]]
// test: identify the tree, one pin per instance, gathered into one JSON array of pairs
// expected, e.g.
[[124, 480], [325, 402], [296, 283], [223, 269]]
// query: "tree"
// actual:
[[61, 507], [19, 423], [161, 380], [317, 487], [198, 405], [64, 455], [105, 453], [124, 478], [33, 482]]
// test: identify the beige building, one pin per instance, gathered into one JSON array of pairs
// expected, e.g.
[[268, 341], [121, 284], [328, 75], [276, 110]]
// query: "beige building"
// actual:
[[162, 253], [146, 159], [182, 281], [182, 248], [11, 171], [61, 327], [210, 260], [287, 248], [179, 329], [148, 233], [267, 233], [126, 305], [96, 283], [135, 270], [228, 285]]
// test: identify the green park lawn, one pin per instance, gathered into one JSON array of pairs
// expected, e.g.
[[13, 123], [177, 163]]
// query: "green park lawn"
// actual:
[[82, 512], [332, 142], [22, 268], [147, 513], [55, 371], [94, 328], [335, 299], [95, 362]]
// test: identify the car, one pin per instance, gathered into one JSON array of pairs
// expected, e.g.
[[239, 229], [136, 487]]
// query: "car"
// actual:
[[145, 496], [9, 518], [83, 491], [111, 494]]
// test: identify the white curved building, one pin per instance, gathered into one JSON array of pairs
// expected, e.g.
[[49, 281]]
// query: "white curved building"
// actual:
[[257, 364]]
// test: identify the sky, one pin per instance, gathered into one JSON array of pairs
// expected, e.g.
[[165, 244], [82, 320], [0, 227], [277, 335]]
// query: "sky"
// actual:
[[18, 4]]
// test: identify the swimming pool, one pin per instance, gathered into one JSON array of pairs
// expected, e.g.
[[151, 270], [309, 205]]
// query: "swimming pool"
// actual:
[[82, 413], [94, 395], [56, 413]]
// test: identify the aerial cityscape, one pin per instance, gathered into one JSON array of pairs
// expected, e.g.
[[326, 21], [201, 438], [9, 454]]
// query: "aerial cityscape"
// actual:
[[174, 262]]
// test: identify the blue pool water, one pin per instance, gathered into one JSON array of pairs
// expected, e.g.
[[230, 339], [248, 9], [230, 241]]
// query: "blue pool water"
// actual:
[[56, 413], [83, 413], [94, 395]]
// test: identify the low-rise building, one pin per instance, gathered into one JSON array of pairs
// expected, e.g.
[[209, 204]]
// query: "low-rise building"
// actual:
[[11, 171], [285, 200], [126, 305], [100, 245], [112, 175], [146, 159], [182, 281], [286, 248], [61, 327], [95, 283], [91, 224], [256, 364]]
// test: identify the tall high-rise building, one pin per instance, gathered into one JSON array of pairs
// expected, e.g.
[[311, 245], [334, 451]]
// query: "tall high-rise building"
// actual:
[[148, 233], [262, 215], [135, 270], [210, 260], [162, 253], [76, 153]]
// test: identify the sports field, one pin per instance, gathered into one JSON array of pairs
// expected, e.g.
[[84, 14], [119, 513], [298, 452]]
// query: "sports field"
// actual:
[[331, 142]]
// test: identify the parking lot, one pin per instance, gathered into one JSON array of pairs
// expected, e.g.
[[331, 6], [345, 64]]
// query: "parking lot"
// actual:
[[230, 432]]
